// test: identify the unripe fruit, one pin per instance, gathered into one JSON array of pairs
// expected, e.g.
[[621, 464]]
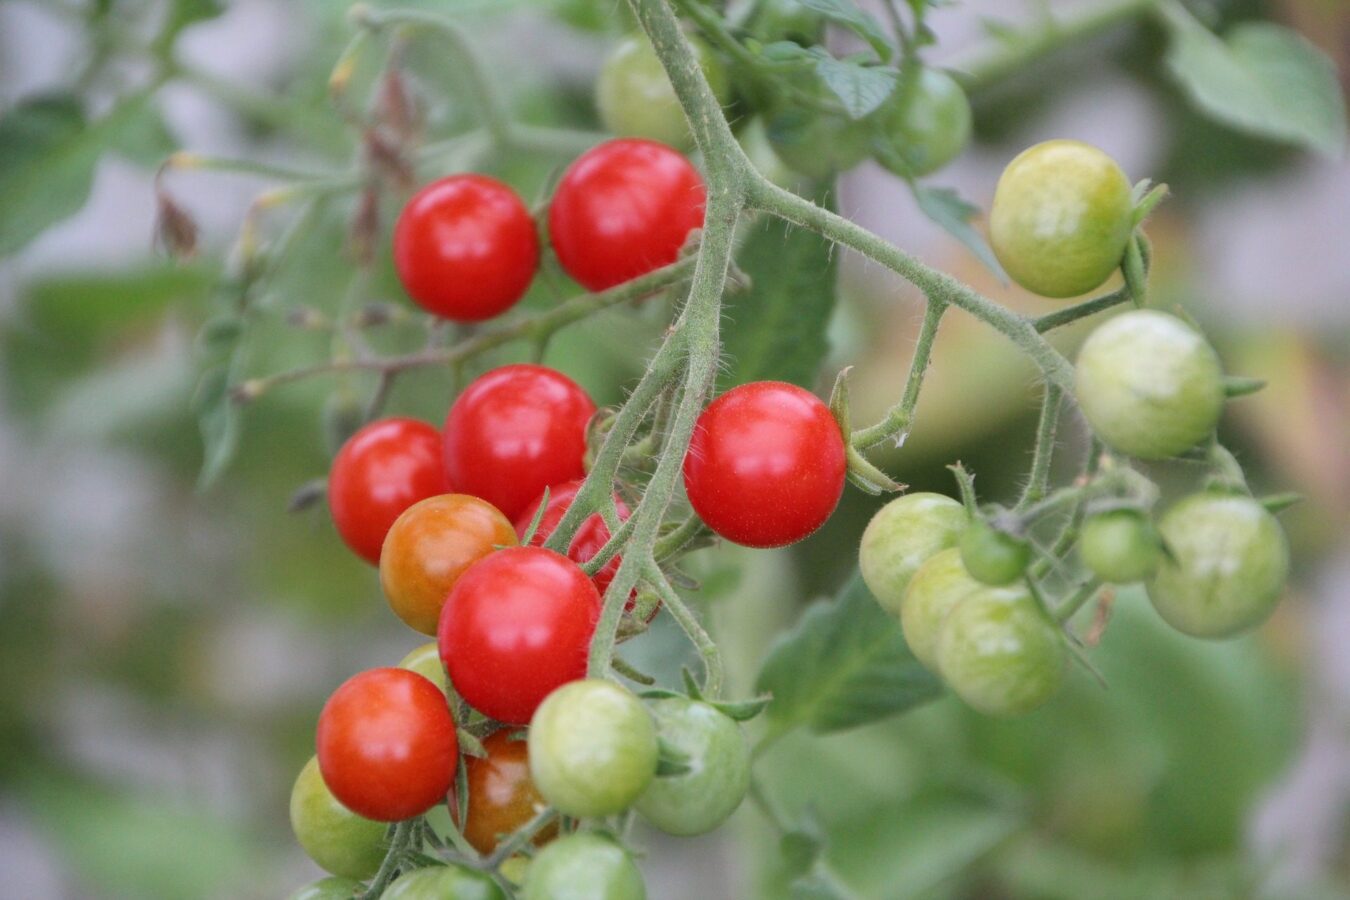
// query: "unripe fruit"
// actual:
[[718, 759], [1120, 546], [992, 556], [332, 835], [924, 125], [583, 866], [443, 883], [901, 536], [635, 97], [936, 588]]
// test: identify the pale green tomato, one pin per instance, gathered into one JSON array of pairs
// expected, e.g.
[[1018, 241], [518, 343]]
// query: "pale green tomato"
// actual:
[[593, 748], [992, 556], [1228, 563], [1120, 546], [754, 140], [583, 866], [443, 883], [635, 98], [1061, 217], [718, 759], [901, 536], [1149, 384], [1000, 653], [333, 836], [426, 661], [329, 889], [924, 125], [936, 588], [816, 144]]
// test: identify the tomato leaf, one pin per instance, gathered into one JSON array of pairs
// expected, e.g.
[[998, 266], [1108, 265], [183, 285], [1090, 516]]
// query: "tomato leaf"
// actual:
[[848, 14], [948, 210], [218, 418], [860, 88], [776, 329], [845, 664], [1260, 78]]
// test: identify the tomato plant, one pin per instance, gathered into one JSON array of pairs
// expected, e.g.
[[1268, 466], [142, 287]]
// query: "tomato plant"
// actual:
[[502, 796], [717, 763], [590, 537], [924, 125], [1120, 546], [583, 865], [333, 836], [901, 537], [635, 99], [937, 586], [992, 556]]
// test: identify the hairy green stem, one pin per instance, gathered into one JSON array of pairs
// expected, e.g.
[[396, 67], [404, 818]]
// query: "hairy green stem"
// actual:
[[398, 845], [1044, 451], [899, 418], [714, 671]]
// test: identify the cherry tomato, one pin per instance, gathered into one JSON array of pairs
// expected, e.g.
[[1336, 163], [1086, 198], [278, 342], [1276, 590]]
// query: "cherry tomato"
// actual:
[[466, 248], [516, 626], [589, 539], [1120, 546], [623, 209], [380, 471], [426, 661], [766, 464], [992, 556], [901, 536], [635, 98], [786, 20], [593, 748], [1149, 384], [1000, 653], [444, 883], [817, 145], [924, 125], [430, 546], [1061, 217], [332, 835], [502, 797], [934, 590], [513, 432], [329, 889], [387, 744], [583, 866], [718, 758], [1228, 563]]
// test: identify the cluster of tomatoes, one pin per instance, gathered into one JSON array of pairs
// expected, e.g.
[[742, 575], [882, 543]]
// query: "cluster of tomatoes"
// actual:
[[455, 519], [1151, 388]]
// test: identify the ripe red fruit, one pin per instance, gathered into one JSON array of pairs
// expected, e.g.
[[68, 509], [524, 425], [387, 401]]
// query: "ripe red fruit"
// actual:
[[590, 537], [513, 432], [383, 469], [466, 248], [766, 464], [517, 625], [386, 744], [623, 209]]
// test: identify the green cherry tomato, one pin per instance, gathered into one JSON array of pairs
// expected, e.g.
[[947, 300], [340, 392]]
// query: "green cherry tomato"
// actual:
[[1227, 565], [901, 536], [1149, 384], [329, 889], [924, 125], [1120, 546], [992, 556], [635, 98], [816, 144], [786, 20], [1061, 217], [443, 883], [583, 866], [1000, 653], [718, 759], [936, 588], [593, 748], [333, 836], [426, 661]]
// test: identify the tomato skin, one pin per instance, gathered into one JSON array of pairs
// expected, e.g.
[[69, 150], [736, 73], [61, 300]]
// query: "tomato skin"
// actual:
[[1149, 384], [766, 464], [466, 248], [430, 546], [925, 124], [583, 866], [443, 883], [1000, 653], [516, 626], [901, 536], [935, 589], [1061, 217], [387, 745], [635, 98], [337, 839], [513, 432], [426, 661], [817, 145], [329, 889], [701, 799], [992, 556], [1120, 546], [623, 209], [593, 748], [502, 797], [1228, 565], [382, 469]]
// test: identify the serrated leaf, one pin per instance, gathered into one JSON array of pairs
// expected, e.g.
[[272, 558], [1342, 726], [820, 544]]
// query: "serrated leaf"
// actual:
[[848, 14], [1260, 78], [860, 88], [844, 664], [218, 418], [776, 330], [948, 210]]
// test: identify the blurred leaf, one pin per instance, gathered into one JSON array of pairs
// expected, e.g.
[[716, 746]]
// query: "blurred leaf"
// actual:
[[83, 308], [776, 330], [1261, 78], [947, 209], [848, 14], [218, 417], [181, 14], [861, 88], [47, 156], [845, 664], [145, 140]]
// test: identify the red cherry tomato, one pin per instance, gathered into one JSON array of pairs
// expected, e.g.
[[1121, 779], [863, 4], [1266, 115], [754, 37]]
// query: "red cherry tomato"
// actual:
[[515, 431], [517, 625], [387, 746], [466, 248], [623, 209], [502, 796], [766, 464], [590, 537]]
